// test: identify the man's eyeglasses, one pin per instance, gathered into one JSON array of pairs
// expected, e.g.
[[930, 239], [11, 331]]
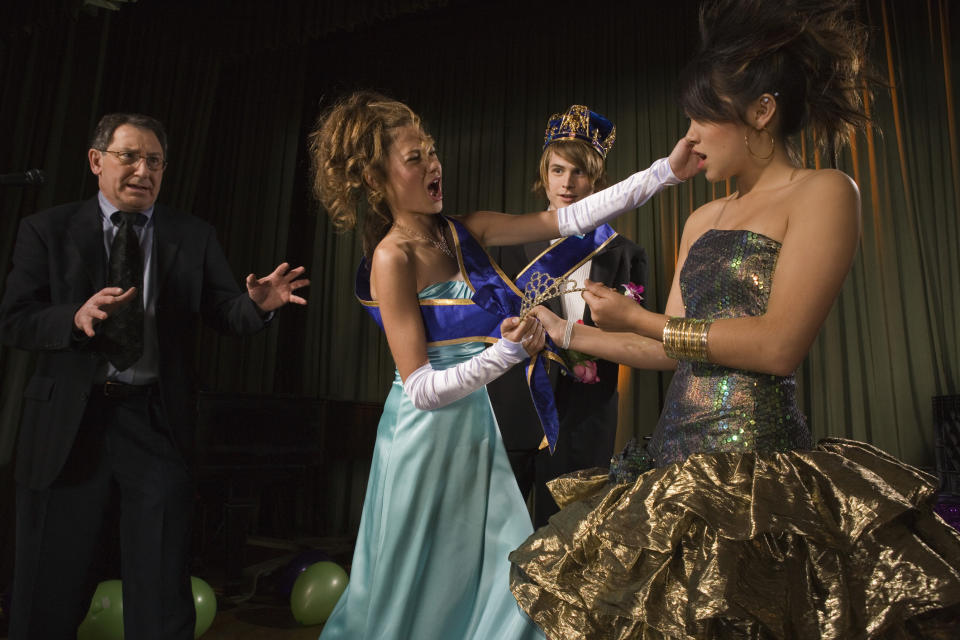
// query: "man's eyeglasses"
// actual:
[[154, 162]]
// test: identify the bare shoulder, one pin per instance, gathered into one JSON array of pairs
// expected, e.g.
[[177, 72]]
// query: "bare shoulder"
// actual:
[[827, 184], [831, 179], [827, 193], [703, 219], [392, 253], [392, 262], [708, 210]]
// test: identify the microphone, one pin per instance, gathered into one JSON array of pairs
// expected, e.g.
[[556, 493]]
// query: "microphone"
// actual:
[[31, 177]]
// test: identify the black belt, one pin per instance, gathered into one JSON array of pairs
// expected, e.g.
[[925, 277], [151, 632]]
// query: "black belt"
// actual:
[[113, 389]]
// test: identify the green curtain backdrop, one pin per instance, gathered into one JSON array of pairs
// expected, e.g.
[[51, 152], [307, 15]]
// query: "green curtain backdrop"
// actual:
[[239, 85], [891, 342]]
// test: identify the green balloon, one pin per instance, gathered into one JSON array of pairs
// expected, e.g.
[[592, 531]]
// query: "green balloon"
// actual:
[[205, 601], [104, 619], [316, 592]]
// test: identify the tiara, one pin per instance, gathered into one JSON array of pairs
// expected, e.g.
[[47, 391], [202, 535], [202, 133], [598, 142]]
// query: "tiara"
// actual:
[[542, 287], [579, 123]]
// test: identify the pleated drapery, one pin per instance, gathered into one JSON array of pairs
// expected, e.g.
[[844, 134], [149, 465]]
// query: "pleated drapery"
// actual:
[[239, 84]]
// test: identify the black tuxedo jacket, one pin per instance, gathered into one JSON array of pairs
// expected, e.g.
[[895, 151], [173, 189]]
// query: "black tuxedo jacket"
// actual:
[[581, 407], [59, 261]]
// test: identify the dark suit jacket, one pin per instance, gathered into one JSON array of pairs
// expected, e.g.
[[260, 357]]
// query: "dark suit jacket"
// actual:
[[59, 261], [581, 407]]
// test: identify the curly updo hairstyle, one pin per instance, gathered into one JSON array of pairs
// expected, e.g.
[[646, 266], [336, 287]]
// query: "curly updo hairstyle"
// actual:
[[810, 54], [350, 138]]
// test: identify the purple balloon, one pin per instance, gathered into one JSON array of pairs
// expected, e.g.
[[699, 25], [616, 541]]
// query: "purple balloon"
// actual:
[[295, 567], [949, 510]]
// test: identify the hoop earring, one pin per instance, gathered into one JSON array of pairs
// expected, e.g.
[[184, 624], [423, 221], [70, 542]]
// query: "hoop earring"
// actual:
[[773, 144]]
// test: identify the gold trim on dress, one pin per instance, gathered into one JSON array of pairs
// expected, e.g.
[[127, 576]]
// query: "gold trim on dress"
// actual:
[[458, 251], [464, 340]]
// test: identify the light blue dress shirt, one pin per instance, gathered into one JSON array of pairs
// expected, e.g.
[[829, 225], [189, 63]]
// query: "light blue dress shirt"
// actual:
[[146, 369]]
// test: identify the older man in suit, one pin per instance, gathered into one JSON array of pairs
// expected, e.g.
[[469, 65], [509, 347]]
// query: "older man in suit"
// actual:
[[575, 148], [108, 292]]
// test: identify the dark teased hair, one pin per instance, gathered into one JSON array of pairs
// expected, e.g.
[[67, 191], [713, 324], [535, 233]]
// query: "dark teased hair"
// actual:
[[103, 133], [810, 54]]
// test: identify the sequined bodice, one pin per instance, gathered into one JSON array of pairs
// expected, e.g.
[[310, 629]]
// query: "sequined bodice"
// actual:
[[710, 408]]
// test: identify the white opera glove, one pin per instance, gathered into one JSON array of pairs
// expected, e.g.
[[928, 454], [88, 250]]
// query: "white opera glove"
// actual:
[[428, 388], [603, 206]]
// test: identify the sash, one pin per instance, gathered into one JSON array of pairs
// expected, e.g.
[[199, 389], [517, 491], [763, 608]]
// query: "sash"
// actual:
[[495, 297]]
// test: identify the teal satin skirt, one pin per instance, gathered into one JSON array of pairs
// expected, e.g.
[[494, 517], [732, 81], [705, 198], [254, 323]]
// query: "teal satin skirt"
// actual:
[[441, 513]]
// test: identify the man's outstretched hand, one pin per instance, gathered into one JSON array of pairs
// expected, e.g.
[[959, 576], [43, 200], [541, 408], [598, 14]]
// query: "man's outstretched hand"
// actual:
[[277, 289]]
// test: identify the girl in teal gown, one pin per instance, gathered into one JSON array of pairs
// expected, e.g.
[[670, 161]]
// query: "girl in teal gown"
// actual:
[[440, 482], [442, 509]]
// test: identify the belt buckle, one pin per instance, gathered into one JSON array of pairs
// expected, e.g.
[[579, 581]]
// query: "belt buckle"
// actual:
[[113, 389]]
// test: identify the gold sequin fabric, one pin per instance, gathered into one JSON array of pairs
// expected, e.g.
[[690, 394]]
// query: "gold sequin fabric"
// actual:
[[761, 536]]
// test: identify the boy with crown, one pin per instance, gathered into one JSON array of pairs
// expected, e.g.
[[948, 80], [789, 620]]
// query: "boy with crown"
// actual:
[[575, 147]]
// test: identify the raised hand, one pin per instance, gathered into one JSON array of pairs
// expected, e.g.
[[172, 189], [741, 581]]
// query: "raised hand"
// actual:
[[101, 306], [609, 309], [277, 289], [683, 162]]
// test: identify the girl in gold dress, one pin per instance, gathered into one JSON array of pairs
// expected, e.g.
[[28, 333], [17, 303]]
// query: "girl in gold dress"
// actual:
[[731, 523]]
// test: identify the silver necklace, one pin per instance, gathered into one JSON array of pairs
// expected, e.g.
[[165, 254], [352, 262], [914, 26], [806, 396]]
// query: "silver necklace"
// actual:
[[440, 244]]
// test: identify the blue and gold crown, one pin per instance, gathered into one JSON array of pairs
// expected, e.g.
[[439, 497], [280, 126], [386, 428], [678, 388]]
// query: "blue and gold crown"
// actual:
[[579, 123]]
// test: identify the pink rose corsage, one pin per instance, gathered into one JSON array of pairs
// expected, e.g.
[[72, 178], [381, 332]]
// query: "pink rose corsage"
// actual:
[[586, 372], [583, 367]]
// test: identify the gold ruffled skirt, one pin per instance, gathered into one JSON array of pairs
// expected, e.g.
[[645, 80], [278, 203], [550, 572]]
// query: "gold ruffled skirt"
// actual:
[[839, 542]]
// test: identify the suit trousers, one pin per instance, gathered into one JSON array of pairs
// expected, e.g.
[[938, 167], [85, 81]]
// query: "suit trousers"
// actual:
[[533, 468], [123, 452], [584, 442]]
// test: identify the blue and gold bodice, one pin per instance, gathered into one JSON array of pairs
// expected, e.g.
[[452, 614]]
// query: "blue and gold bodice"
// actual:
[[448, 353], [458, 313], [711, 408]]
